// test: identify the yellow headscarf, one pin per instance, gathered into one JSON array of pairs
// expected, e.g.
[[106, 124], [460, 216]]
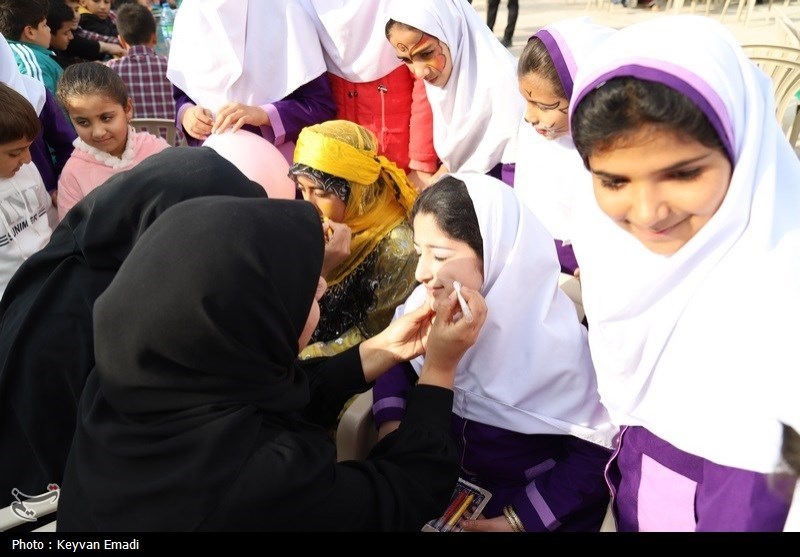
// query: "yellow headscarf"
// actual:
[[380, 194]]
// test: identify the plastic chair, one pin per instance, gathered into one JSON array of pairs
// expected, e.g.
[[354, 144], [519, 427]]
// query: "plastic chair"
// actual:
[[162, 127], [356, 432], [782, 64], [745, 7], [29, 509]]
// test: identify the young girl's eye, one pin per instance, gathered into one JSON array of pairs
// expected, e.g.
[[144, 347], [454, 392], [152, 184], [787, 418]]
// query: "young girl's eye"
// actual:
[[610, 183], [685, 175], [439, 258]]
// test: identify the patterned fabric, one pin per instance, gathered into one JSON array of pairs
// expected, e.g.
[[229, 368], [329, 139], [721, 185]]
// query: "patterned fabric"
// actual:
[[364, 302], [145, 74], [329, 183], [92, 36]]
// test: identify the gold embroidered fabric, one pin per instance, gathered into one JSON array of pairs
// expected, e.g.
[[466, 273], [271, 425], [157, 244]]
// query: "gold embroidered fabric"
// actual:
[[391, 280]]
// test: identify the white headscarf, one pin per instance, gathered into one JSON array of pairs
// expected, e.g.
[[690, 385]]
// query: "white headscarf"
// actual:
[[549, 172], [530, 370], [30, 88], [252, 52], [701, 347], [353, 38], [477, 114]]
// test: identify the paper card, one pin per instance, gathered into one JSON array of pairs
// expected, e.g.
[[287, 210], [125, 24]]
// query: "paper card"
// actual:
[[467, 502]]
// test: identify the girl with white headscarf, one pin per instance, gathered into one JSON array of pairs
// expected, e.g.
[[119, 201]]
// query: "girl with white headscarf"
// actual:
[[526, 416], [248, 64], [476, 113], [51, 149], [549, 170], [690, 267], [370, 85]]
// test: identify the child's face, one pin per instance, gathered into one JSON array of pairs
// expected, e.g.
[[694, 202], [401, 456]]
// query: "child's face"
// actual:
[[74, 4], [325, 202], [100, 8], [101, 122], [660, 187], [545, 111], [13, 155], [61, 38], [443, 260], [426, 56], [38, 35]]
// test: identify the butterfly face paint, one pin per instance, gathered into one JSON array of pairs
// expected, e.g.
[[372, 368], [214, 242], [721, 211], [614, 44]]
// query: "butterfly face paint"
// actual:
[[426, 56]]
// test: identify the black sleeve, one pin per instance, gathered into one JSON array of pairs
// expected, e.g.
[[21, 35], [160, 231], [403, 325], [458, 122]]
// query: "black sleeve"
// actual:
[[83, 48], [333, 381], [292, 482]]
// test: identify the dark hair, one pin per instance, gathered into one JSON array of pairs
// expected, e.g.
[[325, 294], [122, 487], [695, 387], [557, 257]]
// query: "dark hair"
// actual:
[[18, 119], [613, 113], [790, 448], [58, 14], [536, 59], [449, 203], [135, 24], [16, 15], [391, 24], [90, 78]]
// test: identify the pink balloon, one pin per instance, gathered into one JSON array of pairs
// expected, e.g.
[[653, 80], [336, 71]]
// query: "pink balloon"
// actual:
[[257, 158]]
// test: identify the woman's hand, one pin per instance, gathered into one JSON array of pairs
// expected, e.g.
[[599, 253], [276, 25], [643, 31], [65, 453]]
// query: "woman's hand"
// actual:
[[197, 122], [236, 115], [337, 245], [450, 337], [480, 524], [403, 340]]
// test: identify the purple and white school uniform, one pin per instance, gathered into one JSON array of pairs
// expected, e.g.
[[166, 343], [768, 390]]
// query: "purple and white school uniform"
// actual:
[[526, 414], [264, 54], [697, 352], [549, 172]]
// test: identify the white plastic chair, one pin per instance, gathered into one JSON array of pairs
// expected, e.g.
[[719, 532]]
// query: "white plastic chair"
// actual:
[[782, 64], [162, 127]]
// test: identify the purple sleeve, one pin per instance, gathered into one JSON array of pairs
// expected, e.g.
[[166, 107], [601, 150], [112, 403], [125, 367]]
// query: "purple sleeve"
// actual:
[[566, 257], [58, 132], [309, 104], [389, 393], [53, 146], [182, 103]]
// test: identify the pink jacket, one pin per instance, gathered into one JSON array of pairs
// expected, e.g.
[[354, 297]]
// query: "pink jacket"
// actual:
[[88, 167]]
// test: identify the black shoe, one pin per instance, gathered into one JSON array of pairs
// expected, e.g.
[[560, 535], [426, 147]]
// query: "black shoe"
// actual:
[[506, 42]]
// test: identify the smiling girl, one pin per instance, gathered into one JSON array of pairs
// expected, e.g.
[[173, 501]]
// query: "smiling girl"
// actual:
[[527, 421], [549, 170], [690, 269], [97, 102]]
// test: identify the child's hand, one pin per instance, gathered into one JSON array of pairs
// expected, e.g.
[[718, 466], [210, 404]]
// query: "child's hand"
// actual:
[[480, 524], [236, 115], [197, 122], [337, 244]]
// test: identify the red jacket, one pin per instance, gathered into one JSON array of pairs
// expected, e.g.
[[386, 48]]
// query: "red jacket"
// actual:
[[397, 111]]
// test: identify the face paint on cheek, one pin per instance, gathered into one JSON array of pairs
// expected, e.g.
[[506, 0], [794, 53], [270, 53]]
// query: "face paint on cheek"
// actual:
[[438, 60]]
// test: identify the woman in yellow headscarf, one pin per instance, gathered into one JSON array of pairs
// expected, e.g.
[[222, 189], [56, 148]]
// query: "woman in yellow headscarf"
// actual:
[[337, 169]]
